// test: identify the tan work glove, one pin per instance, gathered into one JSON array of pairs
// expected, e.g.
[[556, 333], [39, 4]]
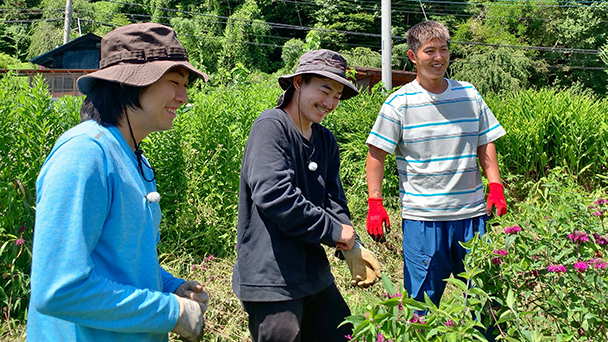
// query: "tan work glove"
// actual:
[[193, 290], [190, 323], [363, 265]]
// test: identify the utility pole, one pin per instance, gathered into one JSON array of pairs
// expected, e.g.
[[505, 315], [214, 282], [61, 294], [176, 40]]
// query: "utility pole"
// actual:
[[387, 69], [68, 20]]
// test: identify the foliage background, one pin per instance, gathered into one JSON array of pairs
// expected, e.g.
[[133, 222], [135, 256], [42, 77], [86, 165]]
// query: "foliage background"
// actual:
[[197, 165], [496, 45]]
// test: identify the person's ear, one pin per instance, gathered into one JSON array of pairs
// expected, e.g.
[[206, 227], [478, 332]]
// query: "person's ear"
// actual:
[[412, 56], [297, 82]]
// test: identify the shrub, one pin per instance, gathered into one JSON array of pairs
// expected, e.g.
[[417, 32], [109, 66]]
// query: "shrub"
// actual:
[[553, 279], [539, 274], [550, 128]]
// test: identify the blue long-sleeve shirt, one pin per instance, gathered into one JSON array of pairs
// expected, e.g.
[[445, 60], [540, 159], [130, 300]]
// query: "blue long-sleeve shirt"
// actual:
[[95, 269]]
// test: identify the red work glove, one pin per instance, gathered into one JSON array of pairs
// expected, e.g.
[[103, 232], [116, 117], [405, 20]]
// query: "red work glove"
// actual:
[[377, 218], [496, 198]]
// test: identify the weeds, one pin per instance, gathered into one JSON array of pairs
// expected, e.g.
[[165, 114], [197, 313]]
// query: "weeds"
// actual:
[[197, 166]]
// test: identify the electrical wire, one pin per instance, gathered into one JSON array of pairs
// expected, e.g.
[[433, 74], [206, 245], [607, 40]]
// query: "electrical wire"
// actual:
[[374, 35], [296, 27]]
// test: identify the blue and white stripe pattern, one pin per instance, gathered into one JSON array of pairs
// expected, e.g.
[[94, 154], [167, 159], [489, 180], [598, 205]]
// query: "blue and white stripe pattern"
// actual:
[[435, 139]]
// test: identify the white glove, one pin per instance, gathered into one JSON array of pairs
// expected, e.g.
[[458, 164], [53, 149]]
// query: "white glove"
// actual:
[[190, 323], [363, 265], [193, 290]]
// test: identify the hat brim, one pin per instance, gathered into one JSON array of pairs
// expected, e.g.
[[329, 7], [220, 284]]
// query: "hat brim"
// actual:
[[137, 75], [349, 89]]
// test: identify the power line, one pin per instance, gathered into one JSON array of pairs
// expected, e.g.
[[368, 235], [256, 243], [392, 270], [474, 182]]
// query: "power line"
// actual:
[[537, 48], [464, 61], [417, 10], [374, 35], [29, 21], [499, 3]]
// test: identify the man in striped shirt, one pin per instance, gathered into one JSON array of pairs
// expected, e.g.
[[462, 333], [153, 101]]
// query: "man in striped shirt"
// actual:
[[438, 129]]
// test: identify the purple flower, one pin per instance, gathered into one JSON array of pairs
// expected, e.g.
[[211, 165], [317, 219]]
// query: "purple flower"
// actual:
[[601, 240], [449, 323], [496, 261], [209, 258], [348, 337], [556, 268], [381, 338], [415, 318], [597, 213], [512, 230], [398, 295], [579, 237], [600, 201], [598, 263], [19, 241], [581, 266], [502, 252], [22, 228], [194, 267]]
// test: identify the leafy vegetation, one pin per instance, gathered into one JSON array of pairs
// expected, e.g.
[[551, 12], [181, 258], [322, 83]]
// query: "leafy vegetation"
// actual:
[[539, 274], [552, 159], [497, 45]]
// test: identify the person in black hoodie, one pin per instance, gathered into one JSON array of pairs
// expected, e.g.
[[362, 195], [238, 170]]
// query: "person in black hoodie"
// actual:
[[290, 202]]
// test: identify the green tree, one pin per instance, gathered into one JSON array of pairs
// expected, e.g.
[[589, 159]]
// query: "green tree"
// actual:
[[291, 52], [336, 17], [294, 48], [566, 35], [201, 37], [246, 39], [363, 57], [45, 36], [493, 70], [15, 39]]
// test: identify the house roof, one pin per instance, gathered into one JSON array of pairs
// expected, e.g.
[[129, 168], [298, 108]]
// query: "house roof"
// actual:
[[84, 42]]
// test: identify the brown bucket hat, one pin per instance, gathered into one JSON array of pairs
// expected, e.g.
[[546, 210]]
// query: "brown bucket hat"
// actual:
[[325, 63], [139, 55]]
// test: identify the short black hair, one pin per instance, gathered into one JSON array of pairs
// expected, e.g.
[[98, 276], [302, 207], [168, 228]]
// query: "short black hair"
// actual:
[[107, 102]]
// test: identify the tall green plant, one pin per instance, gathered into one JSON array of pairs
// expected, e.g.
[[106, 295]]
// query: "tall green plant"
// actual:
[[545, 266], [197, 166], [29, 125], [550, 128]]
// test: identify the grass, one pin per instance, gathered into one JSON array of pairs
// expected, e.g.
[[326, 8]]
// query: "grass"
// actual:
[[197, 167], [226, 321]]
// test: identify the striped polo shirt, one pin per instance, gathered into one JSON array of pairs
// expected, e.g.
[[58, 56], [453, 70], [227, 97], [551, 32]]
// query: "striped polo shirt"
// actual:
[[435, 139]]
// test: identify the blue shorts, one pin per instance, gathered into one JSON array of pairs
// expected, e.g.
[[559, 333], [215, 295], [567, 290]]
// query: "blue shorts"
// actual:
[[432, 252]]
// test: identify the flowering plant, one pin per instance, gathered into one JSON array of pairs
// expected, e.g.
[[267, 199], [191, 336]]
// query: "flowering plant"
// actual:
[[400, 318], [539, 274], [548, 275]]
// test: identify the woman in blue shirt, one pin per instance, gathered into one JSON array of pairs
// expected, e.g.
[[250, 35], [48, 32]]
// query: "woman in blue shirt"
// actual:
[[95, 269]]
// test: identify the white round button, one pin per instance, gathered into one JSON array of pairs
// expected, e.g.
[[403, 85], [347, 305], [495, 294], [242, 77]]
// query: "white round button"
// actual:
[[312, 166]]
